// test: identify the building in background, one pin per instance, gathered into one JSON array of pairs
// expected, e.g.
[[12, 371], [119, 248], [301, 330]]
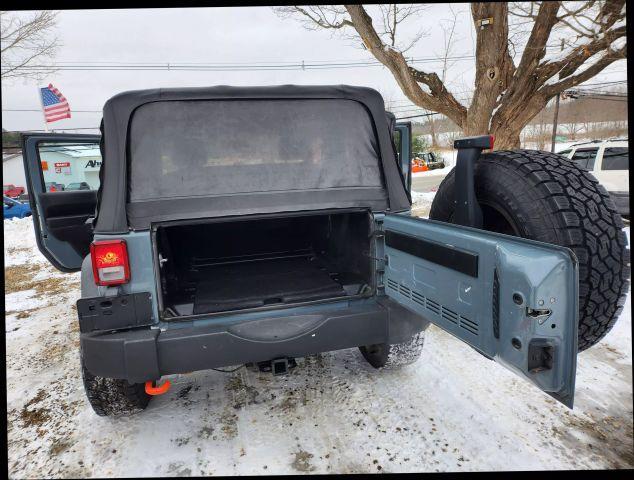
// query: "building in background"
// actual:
[[71, 164], [13, 170], [60, 164]]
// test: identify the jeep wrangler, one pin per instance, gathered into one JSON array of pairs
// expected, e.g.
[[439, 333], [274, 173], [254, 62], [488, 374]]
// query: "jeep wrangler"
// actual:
[[237, 225]]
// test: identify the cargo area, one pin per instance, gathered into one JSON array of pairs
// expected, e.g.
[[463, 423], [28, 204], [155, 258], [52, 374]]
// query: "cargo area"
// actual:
[[223, 266]]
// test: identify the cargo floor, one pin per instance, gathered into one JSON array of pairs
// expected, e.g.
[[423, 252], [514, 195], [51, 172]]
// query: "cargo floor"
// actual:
[[264, 282], [225, 266]]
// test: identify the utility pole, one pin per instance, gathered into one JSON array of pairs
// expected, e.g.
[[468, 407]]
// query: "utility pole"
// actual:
[[39, 94], [552, 145]]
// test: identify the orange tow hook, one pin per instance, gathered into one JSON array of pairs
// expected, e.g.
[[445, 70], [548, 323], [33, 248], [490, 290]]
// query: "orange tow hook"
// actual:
[[151, 389]]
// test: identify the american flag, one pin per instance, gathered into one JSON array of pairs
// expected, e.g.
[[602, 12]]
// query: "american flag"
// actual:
[[55, 104]]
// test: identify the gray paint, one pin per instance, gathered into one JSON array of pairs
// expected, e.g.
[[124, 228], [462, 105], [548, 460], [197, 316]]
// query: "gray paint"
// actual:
[[142, 275], [463, 305]]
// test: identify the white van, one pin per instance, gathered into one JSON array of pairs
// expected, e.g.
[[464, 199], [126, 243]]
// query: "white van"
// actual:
[[608, 161]]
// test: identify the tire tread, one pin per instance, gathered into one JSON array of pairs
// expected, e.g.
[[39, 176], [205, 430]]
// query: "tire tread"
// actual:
[[577, 212]]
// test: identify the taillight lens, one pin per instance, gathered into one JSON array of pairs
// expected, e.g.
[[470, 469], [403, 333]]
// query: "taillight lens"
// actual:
[[110, 264]]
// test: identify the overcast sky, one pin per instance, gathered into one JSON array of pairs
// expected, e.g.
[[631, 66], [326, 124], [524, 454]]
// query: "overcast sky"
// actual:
[[216, 35]]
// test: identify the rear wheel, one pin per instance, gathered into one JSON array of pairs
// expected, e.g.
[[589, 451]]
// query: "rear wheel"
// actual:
[[396, 355], [546, 197], [112, 396]]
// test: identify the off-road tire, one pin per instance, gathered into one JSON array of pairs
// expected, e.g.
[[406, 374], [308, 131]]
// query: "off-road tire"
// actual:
[[396, 355], [111, 397], [546, 197]]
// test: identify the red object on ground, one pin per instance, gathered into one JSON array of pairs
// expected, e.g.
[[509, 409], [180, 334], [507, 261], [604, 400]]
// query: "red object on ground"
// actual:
[[419, 168], [160, 390]]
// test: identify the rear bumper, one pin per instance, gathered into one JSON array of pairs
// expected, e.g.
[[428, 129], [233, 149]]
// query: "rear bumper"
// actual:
[[144, 354], [622, 202]]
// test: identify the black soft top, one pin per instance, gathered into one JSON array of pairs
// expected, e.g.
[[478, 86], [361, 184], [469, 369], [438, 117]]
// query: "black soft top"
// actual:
[[117, 213]]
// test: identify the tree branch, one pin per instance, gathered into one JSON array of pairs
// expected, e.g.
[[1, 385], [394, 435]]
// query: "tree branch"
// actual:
[[610, 57], [316, 16], [25, 40], [568, 65], [535, 50], [439, 99]]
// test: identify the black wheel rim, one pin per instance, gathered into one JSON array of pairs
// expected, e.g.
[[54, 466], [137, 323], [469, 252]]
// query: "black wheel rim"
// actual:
[[497, 219]]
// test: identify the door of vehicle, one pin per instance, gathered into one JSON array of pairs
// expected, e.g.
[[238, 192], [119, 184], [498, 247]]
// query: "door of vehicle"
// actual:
[[60, 218], [403, 140], [612, 167], [513, 300]]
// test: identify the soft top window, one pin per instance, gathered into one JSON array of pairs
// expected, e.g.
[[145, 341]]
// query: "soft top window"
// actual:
[[217, 147]]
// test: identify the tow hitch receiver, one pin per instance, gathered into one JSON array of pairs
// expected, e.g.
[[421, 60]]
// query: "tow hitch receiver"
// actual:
[[278, 366]]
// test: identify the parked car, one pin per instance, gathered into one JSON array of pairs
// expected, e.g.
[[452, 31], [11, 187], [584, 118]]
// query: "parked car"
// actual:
[[418, 164], [78, 186], [196, 257], [54, 187], [424, 161], [433, 161], [12, 191], [14, 208], [608, 161]]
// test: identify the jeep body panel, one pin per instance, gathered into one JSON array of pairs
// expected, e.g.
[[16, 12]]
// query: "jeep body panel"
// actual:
[[514, 300], [146, 354], [491, 291]]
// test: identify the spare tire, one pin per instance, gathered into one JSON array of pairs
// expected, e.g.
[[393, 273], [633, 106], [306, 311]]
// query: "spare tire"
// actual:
[[546, 197]]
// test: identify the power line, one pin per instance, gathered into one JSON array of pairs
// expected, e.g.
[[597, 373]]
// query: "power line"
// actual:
[[416, 116], [226, 67]]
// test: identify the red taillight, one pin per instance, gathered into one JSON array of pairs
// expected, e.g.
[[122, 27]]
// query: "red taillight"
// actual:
[[110, 264], [491, 141]]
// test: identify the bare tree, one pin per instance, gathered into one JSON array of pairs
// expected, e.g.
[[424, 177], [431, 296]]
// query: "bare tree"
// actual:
[[507, 94], [573, 119], [25, 41], [449, 32]]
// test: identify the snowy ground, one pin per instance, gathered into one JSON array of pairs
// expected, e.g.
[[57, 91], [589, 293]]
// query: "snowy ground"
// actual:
[[451, 411]]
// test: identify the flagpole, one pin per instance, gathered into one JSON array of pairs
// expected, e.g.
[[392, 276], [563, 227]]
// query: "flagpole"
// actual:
[[39, 94]]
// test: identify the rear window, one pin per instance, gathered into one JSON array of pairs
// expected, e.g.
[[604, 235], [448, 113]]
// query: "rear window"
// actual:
[[615, 158], [219, 147], [584, 157]]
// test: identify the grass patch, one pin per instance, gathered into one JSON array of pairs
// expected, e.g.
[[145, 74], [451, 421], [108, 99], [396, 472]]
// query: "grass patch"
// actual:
[[19, 278], [35, 416], [22, 314]]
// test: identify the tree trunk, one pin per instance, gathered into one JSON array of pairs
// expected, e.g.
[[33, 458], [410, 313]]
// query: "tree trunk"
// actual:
[[507, 138], [507, 134], [506, 97]]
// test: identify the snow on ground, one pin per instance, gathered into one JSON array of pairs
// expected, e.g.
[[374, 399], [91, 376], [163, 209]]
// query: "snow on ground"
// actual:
[[419, 198], [437, 172], [421, 203], [453, 410]]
